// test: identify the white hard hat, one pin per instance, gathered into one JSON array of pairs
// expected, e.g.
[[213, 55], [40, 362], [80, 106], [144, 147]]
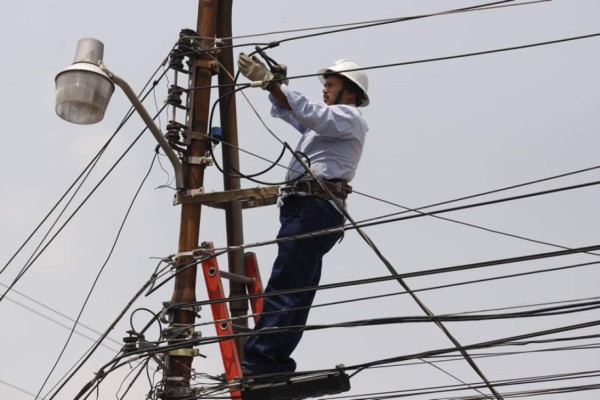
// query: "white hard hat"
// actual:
[[359, 77]]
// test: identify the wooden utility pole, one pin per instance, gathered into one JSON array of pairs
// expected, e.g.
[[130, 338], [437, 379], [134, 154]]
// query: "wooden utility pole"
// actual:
[[179, 363], [231, 163]]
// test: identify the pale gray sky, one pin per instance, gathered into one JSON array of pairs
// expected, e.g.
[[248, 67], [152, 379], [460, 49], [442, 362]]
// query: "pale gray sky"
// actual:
[[438, 131]]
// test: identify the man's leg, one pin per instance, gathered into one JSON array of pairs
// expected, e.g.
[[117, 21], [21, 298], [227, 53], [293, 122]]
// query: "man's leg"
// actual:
[[298, 264]]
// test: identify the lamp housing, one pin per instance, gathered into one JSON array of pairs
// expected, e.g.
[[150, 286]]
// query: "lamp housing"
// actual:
[[83, 90]]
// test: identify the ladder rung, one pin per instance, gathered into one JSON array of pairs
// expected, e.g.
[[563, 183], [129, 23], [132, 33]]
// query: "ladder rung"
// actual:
[[241, 329], [237, 278]]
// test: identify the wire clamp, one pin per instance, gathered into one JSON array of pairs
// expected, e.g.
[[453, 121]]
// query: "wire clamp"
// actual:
[[166, 314], [203, 251]]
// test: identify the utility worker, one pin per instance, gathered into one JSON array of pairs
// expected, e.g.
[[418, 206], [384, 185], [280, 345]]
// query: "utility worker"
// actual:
[[333, 134]]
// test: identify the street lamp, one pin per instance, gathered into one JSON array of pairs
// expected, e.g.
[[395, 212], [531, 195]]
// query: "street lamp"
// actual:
[[83, 92]]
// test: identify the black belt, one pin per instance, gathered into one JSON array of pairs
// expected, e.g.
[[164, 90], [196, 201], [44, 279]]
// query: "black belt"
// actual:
[[338, 187]]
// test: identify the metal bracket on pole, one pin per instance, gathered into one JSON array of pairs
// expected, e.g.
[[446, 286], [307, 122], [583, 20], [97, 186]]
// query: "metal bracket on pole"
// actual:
[[199, 160], [166, 314], [191, 135]]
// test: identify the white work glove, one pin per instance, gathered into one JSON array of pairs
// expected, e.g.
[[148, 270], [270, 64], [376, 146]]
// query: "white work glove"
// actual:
[[253, 69], [280, 73]]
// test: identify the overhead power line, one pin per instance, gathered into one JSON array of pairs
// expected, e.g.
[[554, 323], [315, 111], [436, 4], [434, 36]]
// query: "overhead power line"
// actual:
[[401, 19], [406, 275], [377, 22], [458, 56], [49, 318], [17, 388], [90, 291], [59, 386], [520, 185], [502, 383], [438, 287], [361, 224], [479, 345]]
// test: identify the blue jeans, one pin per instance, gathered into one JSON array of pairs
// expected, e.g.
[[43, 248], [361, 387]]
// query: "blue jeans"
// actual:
[[298, 264]]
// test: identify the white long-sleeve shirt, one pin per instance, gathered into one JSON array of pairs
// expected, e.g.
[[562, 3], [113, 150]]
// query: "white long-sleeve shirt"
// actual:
[[332, 136]]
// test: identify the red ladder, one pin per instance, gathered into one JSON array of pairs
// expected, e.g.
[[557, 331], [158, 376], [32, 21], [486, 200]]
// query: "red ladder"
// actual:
[[223, 324], [310, 386]]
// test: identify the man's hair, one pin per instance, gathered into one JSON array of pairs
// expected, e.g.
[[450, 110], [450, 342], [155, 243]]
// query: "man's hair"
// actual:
[[353, 88], [350, 86]]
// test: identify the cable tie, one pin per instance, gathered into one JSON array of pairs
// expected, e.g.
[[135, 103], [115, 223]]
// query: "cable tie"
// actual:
[[256, 83]]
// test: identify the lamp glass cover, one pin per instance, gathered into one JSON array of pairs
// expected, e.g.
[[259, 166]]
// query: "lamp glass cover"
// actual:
[[82, 95]]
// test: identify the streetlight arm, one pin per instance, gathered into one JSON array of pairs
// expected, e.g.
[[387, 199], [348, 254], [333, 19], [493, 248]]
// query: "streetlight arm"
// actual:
[[164, 145]]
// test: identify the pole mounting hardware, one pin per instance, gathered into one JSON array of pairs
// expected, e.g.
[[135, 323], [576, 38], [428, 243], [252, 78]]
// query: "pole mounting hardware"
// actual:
[[192, 352], [199, 160]]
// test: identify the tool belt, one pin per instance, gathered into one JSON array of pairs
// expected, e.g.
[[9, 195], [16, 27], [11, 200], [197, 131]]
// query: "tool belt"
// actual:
[[338, 187]]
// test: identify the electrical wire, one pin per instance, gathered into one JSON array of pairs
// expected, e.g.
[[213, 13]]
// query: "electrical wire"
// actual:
[[17, 388], [32, 260], [65, 326], [454, 388], [458, 56], [520, 237], [225, 250], [480, 345], [71, 373], [428, 60], [60, 214], [472, 196], [238, 174], [26, 268], [39, 303], [142, 366], [430, 288], [361, 367], [402, 19], [85, 172], [406, 275], [91, 290], [362, 24], [354, 26], [360, 224], [487, 354], [539, 312], [146, 176]]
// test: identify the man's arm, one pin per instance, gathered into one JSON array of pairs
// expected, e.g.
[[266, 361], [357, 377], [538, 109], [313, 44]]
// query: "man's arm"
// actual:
[[275, 90]]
